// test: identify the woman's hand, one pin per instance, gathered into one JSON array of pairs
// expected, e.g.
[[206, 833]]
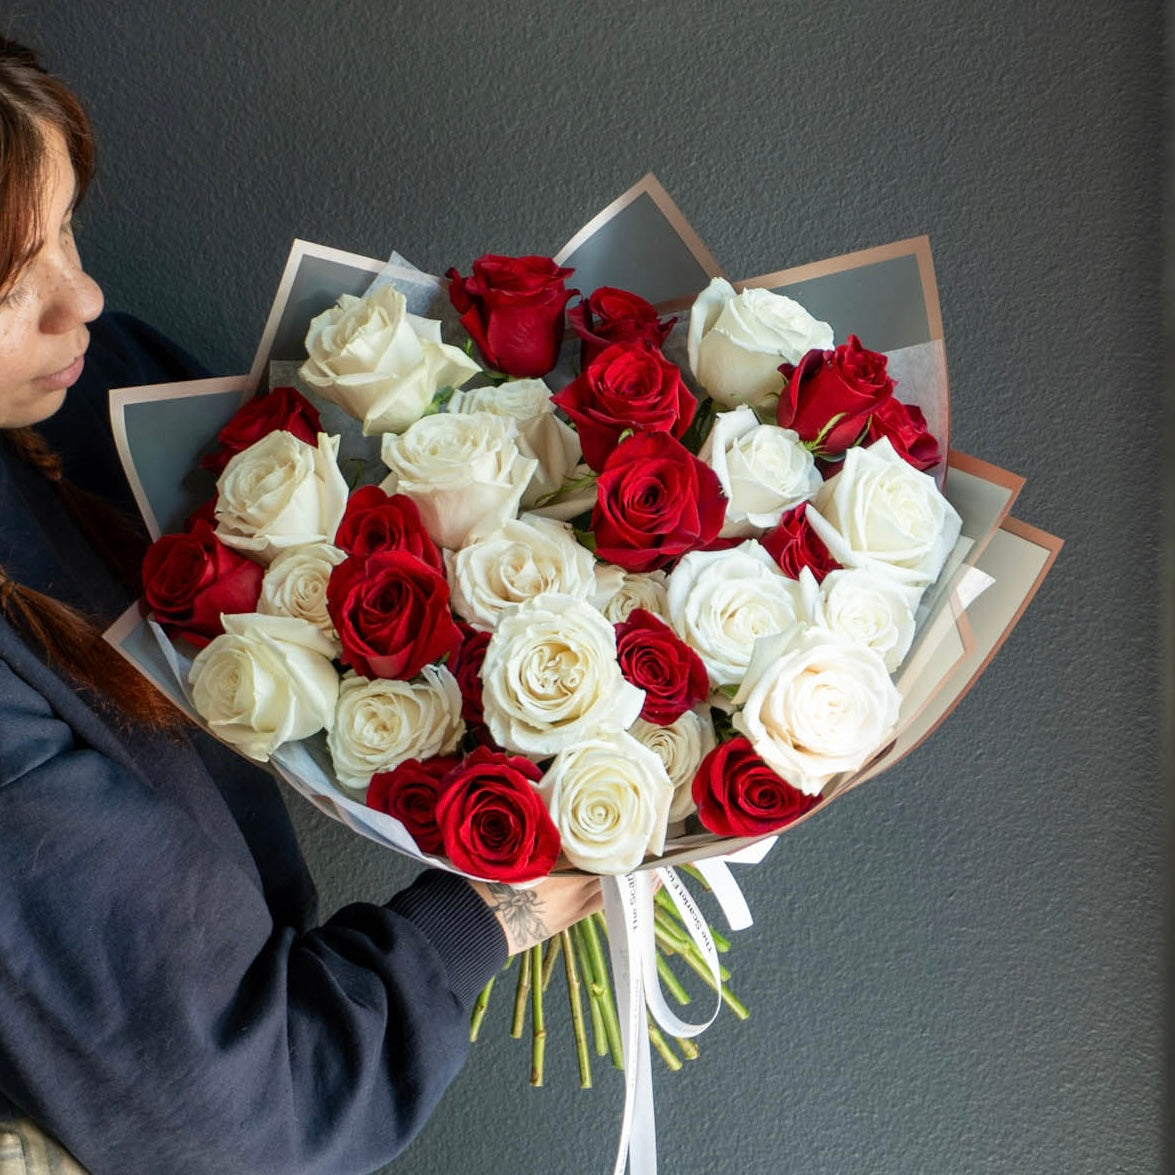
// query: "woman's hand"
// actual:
[[530, 916]]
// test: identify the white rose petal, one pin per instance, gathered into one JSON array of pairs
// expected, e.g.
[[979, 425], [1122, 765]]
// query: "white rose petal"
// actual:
[[609, 797], [764, 470], [524, 558], [738, 341], [295, 585], [681, 747], [380, 363], [722, 602], [816, 704], [279, 493], [873, 610], [265, 681], [550, 677], [381, 723], [639, 589], [881, 513], [464, 472]]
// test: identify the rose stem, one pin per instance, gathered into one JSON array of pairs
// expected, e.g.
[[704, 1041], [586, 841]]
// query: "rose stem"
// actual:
[[554, 946], [607, 1002], [479, 1010], [665, 902], [585, 963], [689, 1050], [575, 999], [669, 980], [520, 995], [539, 1046], [695, 873], [658, 1042], [731, 1001]]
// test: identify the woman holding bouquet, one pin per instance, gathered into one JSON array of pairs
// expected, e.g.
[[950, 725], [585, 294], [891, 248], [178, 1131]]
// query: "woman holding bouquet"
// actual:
[[167, 1002]]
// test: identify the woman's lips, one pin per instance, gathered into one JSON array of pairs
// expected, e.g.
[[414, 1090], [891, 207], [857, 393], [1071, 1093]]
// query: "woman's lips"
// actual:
[[66, 377]]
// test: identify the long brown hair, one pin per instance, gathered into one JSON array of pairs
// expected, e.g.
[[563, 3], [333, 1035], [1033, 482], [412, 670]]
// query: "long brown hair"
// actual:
[[30, 101]]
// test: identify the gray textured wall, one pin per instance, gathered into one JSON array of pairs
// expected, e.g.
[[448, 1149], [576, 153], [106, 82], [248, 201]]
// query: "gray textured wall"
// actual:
[[958, 968]]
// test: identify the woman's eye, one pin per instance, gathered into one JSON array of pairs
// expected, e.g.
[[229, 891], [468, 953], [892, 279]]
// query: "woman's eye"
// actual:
[[17, 296]]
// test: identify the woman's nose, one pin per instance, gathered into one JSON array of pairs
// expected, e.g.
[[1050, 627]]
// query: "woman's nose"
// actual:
[[76, 299]]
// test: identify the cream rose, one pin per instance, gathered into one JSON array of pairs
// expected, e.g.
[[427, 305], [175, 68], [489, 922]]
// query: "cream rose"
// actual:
[[379, 724], [815, 704], [279, 493], [541, 434], [763, 469], [295, 585], [380, 363], [870, 609], [464, 472], [265, 681], [609, 797], [524, 558], [881, 513], [738, 341], [550, 677], [681, 747], [722, 602], [639, 589]]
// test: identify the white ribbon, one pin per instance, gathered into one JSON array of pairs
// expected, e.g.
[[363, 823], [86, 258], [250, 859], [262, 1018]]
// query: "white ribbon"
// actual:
[[632, 945]]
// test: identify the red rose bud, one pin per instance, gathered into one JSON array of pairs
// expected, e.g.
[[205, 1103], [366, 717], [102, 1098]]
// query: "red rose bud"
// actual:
[[512, 308], [467, 671], [829, 396], [391, 611], [189, 579], [609, 315], [654, 501], [654, 658], [493, 822], [409, 793], [737, 794], [906, 428], [627, 387], [375, 521], [794, 545], [282, 408]]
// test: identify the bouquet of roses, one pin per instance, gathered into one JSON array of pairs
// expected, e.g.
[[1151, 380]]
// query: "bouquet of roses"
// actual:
[[629, 589]]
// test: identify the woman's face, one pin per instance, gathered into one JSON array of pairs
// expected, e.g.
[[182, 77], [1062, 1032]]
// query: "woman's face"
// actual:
[[43, 317]]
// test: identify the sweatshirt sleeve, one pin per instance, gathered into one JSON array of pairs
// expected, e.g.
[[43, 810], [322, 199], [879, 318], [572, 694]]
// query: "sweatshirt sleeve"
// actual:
[[155, 1017]]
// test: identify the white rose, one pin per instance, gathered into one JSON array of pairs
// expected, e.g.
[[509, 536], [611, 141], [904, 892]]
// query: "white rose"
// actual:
[[639, 589], [763, 469], [541, 434], [609, 797], [816, 704], [737, 341], [550, 677], [380, 363], [464, 472], [525, 557], [722, 602], [873, 610], [681, 747], [295, 585], [381, 723], [266, 680], [881, 513], [280, 492]]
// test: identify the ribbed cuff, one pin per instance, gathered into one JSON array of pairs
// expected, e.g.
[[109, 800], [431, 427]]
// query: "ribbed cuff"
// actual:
[[458, 923]]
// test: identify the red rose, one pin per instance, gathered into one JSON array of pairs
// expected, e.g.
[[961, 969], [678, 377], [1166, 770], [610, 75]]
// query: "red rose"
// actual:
[[628, 386], [654, 501], [376, 521], [391, 611], [794, 545], [829, 396], [467, 670], [654, 658], [512, 308], [284, 408], [609, 315], [189, 579], [737, 794], [409, 793], [906, 428], [493, 823]]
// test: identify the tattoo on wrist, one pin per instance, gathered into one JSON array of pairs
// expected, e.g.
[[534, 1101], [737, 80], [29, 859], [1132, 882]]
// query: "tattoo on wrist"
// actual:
[[519, 910]]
